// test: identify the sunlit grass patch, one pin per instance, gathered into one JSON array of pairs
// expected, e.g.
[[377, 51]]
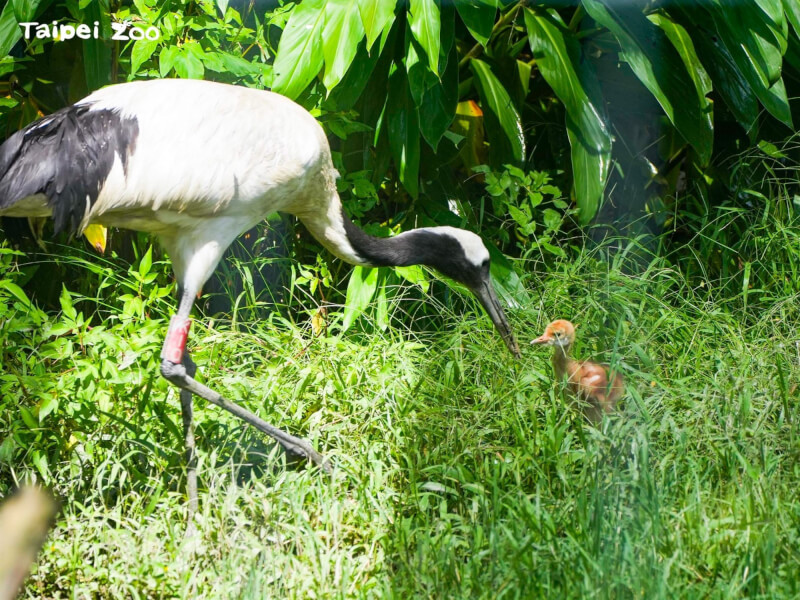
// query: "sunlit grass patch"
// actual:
[[459, 471]]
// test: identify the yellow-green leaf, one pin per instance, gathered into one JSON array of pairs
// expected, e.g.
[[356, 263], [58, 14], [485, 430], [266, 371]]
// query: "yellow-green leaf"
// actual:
[[375, 16], [360, 291], [502, 121], [340, 37], [423, 17], [300, 55], [559, 60]]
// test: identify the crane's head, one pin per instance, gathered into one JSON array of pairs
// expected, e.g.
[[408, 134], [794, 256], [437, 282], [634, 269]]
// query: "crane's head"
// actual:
[[462, 256], [559, 333], [456, 253]]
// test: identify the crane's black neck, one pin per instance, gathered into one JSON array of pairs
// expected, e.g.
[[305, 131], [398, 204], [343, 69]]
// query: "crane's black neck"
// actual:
[[427, 246], [399, 251]]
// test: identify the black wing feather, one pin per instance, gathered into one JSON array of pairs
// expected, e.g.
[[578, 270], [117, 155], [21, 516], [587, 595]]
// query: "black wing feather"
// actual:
[[66, 156]]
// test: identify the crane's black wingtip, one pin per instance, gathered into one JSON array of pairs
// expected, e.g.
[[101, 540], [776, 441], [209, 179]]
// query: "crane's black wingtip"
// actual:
[[67, 157]]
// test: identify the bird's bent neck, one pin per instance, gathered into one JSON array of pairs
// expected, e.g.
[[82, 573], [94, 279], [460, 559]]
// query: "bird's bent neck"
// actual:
[[437, 247], [342, 237], [420, 246]]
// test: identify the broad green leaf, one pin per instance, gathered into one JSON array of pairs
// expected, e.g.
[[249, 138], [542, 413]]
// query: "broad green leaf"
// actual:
[[146, 262], [7, 449], [375, 16], [340, 37], [558, 57], [10, 31], [587, 167], [65, 299], [754, 34], [46, 406], [524, 70], [300, 55], [96, 54], [520, 217], [478, 16], [27, 418], [727, 80], [423, 17], [437, 108], [777, 20], [187, 63], [420, 77], [15, 291], [419, 74], [402, 119], [40, 460], [657, 64], [346, 94], [792, 9], [506, 281], [25, 10], [771, 149], [141, 53], [776, 101], [9, 64], [503, 123], [360, 291], [683, 44], [223, 62], [166, 59], [415, 275]]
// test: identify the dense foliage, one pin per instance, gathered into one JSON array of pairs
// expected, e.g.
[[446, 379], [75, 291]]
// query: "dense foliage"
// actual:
[[624, 163], [396, 79], [462, 474], [497, 116]]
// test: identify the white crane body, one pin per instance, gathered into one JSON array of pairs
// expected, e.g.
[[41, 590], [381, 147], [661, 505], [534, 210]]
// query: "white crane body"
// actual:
[[198, 188], [197, 163]]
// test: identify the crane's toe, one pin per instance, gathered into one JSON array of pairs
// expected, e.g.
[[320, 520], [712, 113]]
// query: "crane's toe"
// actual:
[[174, 373]]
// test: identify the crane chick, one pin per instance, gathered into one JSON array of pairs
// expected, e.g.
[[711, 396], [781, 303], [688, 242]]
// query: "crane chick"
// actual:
[[595, 386]]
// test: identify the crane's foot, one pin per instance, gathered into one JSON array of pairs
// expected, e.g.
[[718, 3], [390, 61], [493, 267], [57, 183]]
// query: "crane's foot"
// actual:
[[177, 375]]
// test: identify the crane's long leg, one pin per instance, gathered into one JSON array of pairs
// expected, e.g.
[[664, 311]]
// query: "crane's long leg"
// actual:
[[173, 369], [190, 455], [188, 439]]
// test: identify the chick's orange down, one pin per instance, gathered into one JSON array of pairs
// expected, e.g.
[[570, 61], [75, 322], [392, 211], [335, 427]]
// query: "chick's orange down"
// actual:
[[594, 385]]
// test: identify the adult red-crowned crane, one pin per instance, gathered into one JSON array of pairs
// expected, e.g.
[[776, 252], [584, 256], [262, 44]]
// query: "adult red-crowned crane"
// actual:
[[197, 163]]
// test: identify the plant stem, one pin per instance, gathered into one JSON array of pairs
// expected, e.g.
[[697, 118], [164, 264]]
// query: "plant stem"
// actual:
[[577, 16], [477, 49]]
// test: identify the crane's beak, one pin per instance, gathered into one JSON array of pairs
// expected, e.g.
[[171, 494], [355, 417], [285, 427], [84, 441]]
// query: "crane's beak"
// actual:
[[488, 298]]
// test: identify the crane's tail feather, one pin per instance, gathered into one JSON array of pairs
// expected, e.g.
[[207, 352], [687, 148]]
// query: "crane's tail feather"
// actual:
[[66, 157]]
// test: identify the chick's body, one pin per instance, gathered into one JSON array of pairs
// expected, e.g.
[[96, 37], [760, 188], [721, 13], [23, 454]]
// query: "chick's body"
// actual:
[[594, 385]]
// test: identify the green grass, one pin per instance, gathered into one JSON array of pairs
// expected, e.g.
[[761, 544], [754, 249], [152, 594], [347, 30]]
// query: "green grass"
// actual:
[[460, 472]]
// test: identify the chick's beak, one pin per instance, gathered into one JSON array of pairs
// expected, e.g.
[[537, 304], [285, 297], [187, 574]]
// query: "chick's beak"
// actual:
[[488, 298], [542, 339]]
